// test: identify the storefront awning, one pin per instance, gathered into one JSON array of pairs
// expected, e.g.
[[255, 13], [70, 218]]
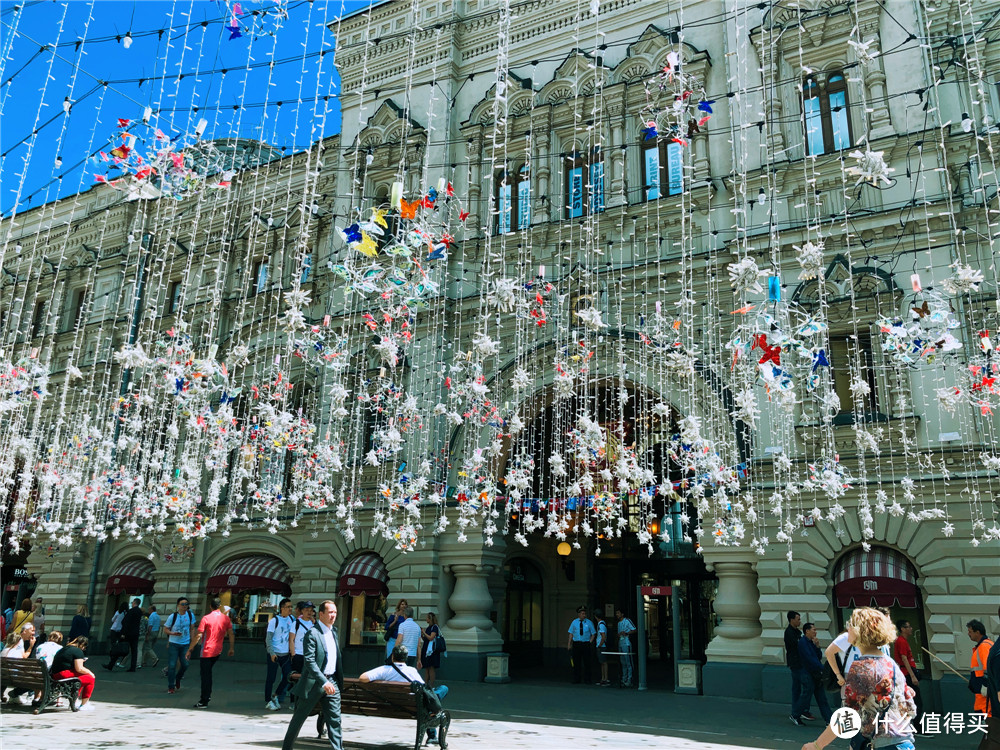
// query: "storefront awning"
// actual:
[[258, 573], [879, 578], [365, 574], [134, 577]]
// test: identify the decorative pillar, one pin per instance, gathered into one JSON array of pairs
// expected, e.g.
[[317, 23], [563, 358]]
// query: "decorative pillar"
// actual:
[[470, 631], [735, 654], [615, 195], [541, 129], [879, 123], [474, 150]]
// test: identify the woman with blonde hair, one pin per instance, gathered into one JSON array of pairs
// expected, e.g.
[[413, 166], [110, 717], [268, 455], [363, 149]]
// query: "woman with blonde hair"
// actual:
[[875, 686], [81, 623]]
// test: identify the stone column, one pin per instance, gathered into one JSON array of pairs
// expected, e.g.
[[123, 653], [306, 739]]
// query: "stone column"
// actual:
[[470, 633], [474, 150], [734, 655], [541, 139]]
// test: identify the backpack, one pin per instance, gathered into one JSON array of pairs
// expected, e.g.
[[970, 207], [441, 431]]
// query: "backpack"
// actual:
[[429, 699]]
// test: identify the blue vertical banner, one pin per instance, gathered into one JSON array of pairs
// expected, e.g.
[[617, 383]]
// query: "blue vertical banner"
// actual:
[[523, 204], [652, 167], [503, 208], [675, 168], [575, 197], [596, 186]]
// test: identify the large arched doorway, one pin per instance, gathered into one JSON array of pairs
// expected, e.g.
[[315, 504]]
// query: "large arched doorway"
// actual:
[[635, 424], [522, 627], [881, 577]]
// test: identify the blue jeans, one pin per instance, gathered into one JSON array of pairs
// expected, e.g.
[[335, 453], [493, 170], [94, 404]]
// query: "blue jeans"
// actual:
[[625, 646], [175, 653], [284, 663]]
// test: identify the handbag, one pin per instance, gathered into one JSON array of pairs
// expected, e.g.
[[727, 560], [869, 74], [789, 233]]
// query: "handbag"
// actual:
[[827, 678]]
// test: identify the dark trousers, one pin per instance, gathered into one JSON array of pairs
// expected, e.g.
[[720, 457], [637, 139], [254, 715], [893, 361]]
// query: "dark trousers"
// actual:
[[329, 711], [207, 663], [813, 686], [991, 740], [133, 646], [282, 662], [796, 690], [581, 661]]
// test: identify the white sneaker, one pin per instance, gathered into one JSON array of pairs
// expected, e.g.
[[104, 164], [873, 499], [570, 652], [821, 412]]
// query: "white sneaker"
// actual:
[[86, 707], [272, 705]]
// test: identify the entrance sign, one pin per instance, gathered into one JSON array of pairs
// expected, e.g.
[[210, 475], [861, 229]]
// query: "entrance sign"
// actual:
[[654, 590]]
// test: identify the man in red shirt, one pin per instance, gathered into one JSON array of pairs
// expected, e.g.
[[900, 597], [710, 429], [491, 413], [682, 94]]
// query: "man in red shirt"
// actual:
[[212, 628], [903, 655]]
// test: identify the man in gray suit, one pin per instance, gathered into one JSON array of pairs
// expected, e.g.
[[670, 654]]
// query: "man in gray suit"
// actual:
[[322, 679]]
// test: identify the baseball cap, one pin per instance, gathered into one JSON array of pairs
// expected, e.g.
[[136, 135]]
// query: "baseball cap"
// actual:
[[306, 605]]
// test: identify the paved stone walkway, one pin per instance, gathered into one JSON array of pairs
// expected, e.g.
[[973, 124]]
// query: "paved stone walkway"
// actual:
[[134, 711]]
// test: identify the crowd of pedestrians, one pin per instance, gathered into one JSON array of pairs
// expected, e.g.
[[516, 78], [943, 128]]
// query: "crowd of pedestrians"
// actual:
[[873, 665]]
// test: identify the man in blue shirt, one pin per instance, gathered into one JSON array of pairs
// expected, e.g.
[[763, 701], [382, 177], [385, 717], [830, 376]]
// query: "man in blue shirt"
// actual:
[[625, 629], [812, 670], [178, 627], [277, 642], [582, 634]]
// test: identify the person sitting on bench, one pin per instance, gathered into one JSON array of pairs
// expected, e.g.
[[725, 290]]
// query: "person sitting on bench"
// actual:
[[397, 671]]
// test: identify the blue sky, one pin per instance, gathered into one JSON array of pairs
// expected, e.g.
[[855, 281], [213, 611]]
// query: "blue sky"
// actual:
[[181, 62]]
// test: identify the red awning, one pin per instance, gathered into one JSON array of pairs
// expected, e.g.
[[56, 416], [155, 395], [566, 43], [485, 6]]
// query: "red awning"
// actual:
[[134, 577], [365, 574], [256, 573], [878, 578]]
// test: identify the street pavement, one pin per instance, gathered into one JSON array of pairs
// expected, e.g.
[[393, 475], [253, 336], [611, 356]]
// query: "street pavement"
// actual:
[[135, 711]]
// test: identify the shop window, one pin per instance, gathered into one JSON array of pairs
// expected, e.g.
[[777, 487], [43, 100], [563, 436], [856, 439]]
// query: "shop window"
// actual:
[[363, 584], [663, 164], [585, 184], [824, 109]]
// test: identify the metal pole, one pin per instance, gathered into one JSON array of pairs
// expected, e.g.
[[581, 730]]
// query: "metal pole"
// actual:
[[675, 616], [122, 391], [640, 616]]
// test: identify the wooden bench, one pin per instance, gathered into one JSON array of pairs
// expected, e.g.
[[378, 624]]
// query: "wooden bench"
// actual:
[[389, 700], [33, 675]]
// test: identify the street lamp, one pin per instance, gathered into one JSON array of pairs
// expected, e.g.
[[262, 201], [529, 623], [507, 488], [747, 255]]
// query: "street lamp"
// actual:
[[569, 566]]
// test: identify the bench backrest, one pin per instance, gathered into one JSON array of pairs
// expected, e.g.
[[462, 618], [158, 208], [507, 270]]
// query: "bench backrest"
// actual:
[[26, 673], [389, 699]]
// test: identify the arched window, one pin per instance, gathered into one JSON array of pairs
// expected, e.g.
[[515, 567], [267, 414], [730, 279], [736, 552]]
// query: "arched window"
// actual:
[[585, 183], [513, 200], [824, 107]]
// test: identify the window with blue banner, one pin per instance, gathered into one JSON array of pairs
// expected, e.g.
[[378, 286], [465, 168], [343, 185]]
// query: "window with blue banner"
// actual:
[[663, 163], [260, 277], [585, 184], [513, 199], [306, 268]]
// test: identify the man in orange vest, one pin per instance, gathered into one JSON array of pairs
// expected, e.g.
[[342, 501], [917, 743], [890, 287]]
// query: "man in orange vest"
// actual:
[[980, 654]]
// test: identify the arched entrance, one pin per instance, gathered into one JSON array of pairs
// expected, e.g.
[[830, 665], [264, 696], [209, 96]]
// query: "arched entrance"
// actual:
[[881, 577], [522, 628]]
